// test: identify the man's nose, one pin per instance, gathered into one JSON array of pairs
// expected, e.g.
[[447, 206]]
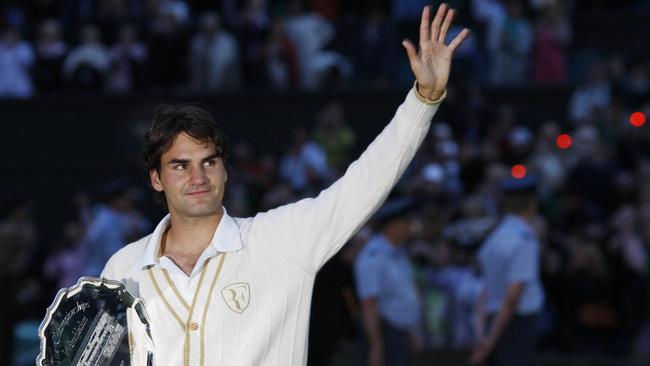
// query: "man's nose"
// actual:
[[199, 175]]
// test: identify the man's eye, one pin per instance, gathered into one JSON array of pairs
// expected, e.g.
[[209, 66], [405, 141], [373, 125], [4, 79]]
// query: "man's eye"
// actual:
[[180, 167], [210, 163]]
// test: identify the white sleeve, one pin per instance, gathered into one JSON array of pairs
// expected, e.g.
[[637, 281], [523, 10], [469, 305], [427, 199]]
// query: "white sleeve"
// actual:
[[312, 230], [109, 270]]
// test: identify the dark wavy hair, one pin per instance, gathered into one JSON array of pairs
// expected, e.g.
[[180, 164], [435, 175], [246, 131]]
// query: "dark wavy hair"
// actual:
[[170, 120]]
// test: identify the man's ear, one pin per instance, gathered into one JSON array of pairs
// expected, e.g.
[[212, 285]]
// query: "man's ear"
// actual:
[[155, 180]]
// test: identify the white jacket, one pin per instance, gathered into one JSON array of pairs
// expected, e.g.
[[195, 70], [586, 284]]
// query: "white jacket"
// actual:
[[256, 311]]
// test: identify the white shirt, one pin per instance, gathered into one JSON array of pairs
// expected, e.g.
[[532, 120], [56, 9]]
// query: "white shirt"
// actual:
[[226, 239], [254, 310]]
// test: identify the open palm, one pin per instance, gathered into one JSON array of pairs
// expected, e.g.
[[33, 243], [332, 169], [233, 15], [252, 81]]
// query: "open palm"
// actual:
[[432, 64]]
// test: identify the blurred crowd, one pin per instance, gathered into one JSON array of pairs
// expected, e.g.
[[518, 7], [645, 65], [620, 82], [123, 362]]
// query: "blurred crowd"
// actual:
[[594, 187], [594, 200], [198, 46]]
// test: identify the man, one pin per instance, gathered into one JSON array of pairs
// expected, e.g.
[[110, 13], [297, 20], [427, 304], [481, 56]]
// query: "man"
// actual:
[[513, 294], [386, 288], [236, 291]]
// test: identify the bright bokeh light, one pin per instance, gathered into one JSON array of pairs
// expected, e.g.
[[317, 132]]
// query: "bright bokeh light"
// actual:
[[518, 171], [563, 141], [637, 119]]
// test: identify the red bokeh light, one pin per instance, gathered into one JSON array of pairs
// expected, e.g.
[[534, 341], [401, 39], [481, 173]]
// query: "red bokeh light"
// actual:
[[563, 141], [637, 119], [518, 171]]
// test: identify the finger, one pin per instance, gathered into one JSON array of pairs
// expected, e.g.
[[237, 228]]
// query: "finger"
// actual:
[[411, 52], [435, 27], [459, 39], [445, 26], [424, 24]]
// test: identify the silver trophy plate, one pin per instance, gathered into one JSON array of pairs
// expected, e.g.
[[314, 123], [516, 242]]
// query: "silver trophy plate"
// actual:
[[95, 322]]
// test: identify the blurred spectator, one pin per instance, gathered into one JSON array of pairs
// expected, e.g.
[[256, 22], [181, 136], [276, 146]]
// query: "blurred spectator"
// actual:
[[592, 179], [51, 50], [376, 53], [304, 164], [547, 160], [511, 48], [496, 144], [513, 295], [447, 156], [279, 194], [454, 275], [253, 30], [65, 265], [111, 15], [311, 33], [127, 62], [473, 225], [115, 223], [552, 36], [334, 136], [630, 256], [634, 83], [18, 235], [281, 58], [590, 96], [86, 66], [167, 50], [449, 282], [179, 9], [214, 58], [590, 287], [519, 143], [386, 288], [16, 59], [491, 14], [468, 57]]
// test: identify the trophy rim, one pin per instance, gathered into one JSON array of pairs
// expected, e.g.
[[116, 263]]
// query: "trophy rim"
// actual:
[[62, 293]]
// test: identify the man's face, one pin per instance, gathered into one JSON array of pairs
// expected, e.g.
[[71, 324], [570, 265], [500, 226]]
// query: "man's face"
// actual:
[[192, 177]]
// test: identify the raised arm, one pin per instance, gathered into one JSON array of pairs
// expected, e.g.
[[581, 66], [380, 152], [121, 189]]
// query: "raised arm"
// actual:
[[313, 229]]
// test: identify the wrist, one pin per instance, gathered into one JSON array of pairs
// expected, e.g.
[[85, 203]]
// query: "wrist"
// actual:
[[429, 96], [430, 93]]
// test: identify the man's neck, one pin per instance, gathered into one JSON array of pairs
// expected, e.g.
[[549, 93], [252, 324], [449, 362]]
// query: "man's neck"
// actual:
[[190, 235]]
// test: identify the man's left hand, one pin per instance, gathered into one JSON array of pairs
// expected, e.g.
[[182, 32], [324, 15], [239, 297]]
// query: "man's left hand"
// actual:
[[432, 65]]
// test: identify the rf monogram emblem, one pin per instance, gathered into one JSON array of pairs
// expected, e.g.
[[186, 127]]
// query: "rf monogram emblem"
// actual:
[[237, 296]]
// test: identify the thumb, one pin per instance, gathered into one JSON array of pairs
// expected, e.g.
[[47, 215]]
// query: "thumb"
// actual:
[[411, 52]]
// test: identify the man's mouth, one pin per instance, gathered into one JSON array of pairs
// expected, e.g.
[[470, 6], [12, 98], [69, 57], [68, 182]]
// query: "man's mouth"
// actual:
[[198, 193]]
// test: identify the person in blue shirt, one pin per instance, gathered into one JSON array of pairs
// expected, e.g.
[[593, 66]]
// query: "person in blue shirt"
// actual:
[[386, 288], [512, 295]]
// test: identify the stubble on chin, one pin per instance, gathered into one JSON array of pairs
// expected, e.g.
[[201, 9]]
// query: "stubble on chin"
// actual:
[[201, 210]]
